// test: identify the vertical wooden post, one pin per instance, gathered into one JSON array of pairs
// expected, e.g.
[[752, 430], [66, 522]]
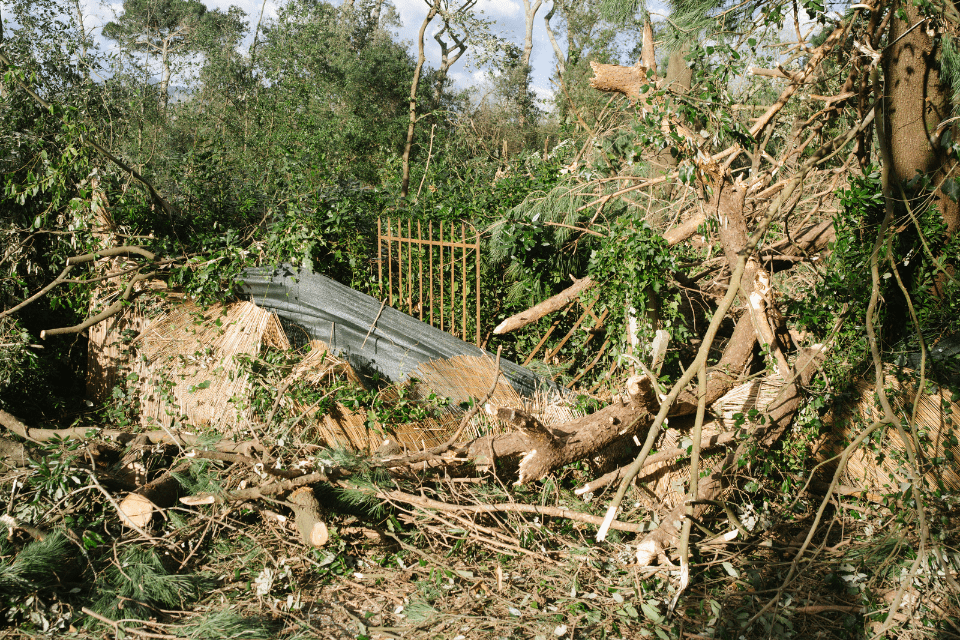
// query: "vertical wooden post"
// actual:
[[453, 286], [399, 265], [409, 267], [420, 264], [442, 279], [430, 276]]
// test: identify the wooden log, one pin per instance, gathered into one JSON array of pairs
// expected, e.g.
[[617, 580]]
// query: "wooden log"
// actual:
[[548, 306], [163, 492], [307, 517]]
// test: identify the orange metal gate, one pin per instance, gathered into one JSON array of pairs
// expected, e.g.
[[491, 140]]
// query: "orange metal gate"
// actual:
[[432, 272]]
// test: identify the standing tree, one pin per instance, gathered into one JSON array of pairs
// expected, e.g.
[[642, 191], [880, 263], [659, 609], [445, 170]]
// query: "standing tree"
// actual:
[[166, 29], [463, 27]]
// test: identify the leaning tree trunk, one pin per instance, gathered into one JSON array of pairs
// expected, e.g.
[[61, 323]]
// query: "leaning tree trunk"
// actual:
[[917, 102]]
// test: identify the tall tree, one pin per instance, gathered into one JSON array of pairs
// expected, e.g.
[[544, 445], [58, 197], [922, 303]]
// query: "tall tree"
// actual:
[[918, 103], [164, 29], [463, 27], [529, 14], [332, 93]]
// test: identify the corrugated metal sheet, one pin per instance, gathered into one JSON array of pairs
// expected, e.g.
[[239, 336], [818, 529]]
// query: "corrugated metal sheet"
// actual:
[[377, 340]]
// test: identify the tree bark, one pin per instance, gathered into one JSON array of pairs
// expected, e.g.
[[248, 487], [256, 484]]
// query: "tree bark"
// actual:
[[561, 59], [917, 101], [678, 81], [618, 79], [544, 450]]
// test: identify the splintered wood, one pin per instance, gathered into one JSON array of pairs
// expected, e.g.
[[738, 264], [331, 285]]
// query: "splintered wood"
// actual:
[[663, 482], [190, 370]]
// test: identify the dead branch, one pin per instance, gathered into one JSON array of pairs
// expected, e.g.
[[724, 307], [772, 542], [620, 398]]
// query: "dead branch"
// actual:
[[782, 74], [13, 454], [39, 294], [779, 415], [797, 80], [255, 493], [510, 507], [242, 459], [713, 442], [38, 436], [548, 306], [112, 310], [112, 252]]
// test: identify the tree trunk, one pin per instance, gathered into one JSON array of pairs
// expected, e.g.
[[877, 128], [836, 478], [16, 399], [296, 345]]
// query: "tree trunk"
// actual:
[[421, 58], [529, 12], [916, 103], [165, 78], [561, 59], [678, 81]]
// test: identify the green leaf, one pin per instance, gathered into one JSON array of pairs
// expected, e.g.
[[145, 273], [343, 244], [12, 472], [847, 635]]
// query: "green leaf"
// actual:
[[651, 612]]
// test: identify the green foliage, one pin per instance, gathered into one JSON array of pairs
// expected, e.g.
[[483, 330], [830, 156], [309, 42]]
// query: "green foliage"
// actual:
[[16, 356], [41, 565], [846, 281], [537, 251], [335, 89], [635, 267], [141, 585], [950, 66]]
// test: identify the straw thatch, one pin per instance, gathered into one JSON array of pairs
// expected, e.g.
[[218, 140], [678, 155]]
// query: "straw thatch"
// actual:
[[109, 357], [882, 466], [455, 382], [189, 366]]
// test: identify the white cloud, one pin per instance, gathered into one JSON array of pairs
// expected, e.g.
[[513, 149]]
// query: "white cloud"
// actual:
[[500, 8], [412, 12]]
